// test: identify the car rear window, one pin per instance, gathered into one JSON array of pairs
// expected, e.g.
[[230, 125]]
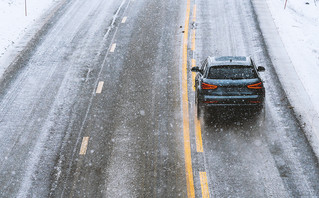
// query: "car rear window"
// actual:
[[231, 72], [234, 58]]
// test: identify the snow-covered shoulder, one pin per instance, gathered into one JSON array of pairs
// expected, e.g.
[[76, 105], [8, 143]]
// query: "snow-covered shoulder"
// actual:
[[298, 26], [16, 17], [292, 41], [20, 21]]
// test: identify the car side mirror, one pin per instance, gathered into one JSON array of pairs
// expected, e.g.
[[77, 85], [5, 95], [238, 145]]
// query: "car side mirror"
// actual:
[[261, 69], [196, 69]]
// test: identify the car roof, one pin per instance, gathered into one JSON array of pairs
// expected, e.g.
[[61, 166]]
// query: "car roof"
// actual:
[[230, 60]]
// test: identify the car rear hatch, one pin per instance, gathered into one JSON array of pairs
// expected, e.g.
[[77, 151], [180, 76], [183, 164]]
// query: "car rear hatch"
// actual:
[[232, 87], [233, 91]]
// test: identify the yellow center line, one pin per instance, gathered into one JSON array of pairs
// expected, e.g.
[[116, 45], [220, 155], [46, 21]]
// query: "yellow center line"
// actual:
[[198, 130], [193, 40], [193, 30], [84, 145], [187, 146], [99, 87], [204, 184], [198, 134]]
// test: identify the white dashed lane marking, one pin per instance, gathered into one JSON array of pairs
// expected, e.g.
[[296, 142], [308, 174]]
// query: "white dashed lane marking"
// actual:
[[113, 47], [99, 87], [84, 145], [124, 19]]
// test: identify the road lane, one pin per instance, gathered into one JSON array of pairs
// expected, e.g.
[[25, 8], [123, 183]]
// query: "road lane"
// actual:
[[247, 156], [42, 106], [134, 125], [105, 108]]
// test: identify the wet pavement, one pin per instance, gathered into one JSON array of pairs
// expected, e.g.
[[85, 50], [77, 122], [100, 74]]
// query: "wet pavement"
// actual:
[[97, 109]]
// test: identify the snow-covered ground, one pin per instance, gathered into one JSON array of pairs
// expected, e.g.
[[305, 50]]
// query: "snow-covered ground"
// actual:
[[13, 21], [298, 26], [293, 45]]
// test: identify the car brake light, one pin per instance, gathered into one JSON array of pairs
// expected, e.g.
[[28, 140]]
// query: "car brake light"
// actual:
[[255, 86], [208, 86]]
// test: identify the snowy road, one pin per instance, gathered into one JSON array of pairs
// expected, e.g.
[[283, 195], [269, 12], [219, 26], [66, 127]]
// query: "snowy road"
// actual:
[[97, 109]]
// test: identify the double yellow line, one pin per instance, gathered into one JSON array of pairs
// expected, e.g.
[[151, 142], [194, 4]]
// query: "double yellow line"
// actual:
[[187, 144], [185, 109]]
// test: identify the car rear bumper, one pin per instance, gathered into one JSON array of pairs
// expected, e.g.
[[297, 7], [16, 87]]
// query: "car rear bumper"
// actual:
[[245, 100]]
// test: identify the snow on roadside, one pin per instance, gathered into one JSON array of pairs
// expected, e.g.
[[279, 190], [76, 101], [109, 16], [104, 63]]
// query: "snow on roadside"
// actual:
[[13, 22], [298, 26]]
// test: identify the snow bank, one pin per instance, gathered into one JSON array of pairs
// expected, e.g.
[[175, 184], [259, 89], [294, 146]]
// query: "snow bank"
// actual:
[[293, 45], [298, 26], [13, 22]]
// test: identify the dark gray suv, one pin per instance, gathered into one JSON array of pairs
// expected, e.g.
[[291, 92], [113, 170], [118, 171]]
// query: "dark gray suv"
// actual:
[[229, 81]]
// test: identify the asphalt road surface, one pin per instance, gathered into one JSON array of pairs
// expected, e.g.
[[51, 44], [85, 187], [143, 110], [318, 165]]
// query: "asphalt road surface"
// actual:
[[104, 107]]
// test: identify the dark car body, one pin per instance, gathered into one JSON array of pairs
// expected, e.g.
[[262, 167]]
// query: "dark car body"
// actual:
[[229, 81]]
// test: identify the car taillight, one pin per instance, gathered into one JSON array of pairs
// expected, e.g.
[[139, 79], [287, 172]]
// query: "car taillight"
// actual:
[[208, 86], [255, 86]]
